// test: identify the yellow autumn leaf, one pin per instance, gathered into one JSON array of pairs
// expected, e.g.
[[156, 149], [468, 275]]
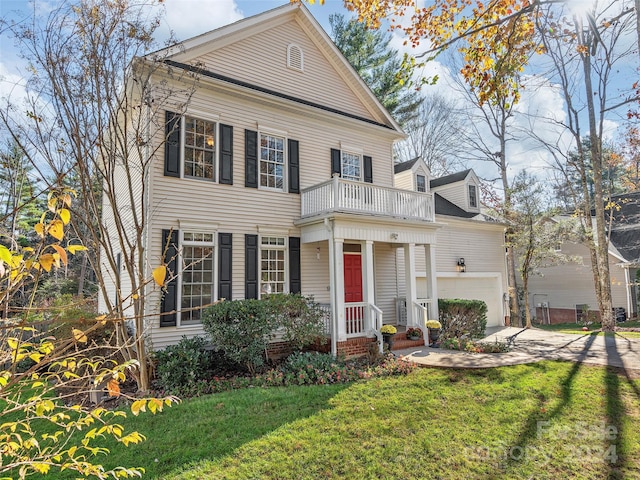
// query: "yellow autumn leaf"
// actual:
[[159, 274], [65, 215], [76, 248], [56, 229], [61, 251], [5, 254], [138, 406], [135, 296], [52, 202], [39, 228], [113, 388], [79, 335], [46, 261]]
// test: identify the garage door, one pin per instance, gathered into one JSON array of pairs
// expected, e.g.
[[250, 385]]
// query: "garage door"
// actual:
[[486, 289]]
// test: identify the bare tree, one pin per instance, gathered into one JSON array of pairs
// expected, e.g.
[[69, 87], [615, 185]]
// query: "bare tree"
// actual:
[[585, 52], [434, 134], [94, 103]]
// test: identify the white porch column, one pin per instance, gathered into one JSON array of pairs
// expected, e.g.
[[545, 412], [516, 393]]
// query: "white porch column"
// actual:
[[410, 281], [338, 288], [432, 280], [368, 295]]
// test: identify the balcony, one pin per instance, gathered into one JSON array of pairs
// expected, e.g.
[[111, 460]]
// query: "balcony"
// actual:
[[338, 195]]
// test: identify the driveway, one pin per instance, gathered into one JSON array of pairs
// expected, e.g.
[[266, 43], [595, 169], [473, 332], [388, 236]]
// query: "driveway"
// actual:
[[534, 345]]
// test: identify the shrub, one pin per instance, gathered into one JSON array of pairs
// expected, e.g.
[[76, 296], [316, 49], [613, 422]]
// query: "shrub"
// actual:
[[310, 368], [467, 345], [183, 365], [242, 329], [301, 318], [462, 317]]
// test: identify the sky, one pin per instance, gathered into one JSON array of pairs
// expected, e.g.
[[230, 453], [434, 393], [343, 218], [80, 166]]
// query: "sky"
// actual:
[[188, 18]]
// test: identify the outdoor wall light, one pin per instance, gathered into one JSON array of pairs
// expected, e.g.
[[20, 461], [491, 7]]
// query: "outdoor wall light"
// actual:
[[461, 265], [394, 236], [318, 253]]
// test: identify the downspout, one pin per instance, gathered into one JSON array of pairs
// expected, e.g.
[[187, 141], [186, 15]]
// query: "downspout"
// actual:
[[332, 287], [627, 281]]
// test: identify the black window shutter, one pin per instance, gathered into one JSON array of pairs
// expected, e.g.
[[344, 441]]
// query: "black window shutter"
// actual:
[[251, 266], [224, 265], [172, 145], [170, 294], [226, 155], [295, 277], [294, 166], [368, 169], [250, 159], [336, 162]]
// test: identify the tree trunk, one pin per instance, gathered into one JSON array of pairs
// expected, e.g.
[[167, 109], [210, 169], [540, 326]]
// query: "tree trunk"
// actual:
[[603, 285]]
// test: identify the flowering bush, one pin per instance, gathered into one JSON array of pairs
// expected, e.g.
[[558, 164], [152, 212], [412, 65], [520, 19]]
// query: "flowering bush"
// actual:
[[414, 332], [388, 329], [433, 324]]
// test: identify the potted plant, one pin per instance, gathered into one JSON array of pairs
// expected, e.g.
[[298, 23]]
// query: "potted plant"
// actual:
[[388, 331], [434, 327], [414, 333]]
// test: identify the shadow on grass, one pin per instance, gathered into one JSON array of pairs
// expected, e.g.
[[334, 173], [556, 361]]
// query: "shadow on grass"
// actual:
[[213, 426], [530, 431]]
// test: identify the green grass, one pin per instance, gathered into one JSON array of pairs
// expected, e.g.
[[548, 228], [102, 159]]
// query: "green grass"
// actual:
[[577, 328], [433, 423]]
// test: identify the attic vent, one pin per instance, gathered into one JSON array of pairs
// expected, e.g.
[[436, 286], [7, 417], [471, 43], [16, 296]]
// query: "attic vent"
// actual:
[[295, 57]]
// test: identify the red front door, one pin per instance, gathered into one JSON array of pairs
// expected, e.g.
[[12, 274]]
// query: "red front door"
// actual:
[[352, 278]]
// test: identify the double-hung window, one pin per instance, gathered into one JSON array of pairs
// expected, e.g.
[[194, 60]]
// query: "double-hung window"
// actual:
[[272, 161], [473, 196], [421, 183], [351, 166], [199, 148], [198, 275], [272, 265]]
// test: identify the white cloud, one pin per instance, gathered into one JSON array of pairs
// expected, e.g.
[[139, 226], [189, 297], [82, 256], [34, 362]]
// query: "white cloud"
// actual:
[[189, 18], [11, 83]]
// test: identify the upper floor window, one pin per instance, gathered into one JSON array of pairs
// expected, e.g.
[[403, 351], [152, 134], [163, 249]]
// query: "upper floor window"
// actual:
[[272, 162], [351, 166], [421, 183], [473, 196], [199, 148], [272, 265], [197, 282]]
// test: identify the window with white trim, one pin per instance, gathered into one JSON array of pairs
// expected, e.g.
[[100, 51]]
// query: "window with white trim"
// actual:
[[199, 148], [272, 161], [421, 183], [198, 275], [272, 265], [351, 166], [473, 196]]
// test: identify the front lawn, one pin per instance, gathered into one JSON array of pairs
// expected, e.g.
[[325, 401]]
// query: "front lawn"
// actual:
[[547, 420], [577, 328]]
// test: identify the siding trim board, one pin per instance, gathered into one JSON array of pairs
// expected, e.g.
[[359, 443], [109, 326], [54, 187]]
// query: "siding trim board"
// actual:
[[207, 73]]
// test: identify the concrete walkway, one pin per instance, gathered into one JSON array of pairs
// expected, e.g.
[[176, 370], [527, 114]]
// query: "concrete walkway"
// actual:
[[535, 345]]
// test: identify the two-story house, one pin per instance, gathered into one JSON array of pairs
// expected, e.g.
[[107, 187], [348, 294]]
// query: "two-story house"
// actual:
[[279, 177]]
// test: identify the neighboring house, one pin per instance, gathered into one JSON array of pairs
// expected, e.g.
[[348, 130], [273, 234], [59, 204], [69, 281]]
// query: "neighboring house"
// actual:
[[469, 252], [279, 177], [564, 293]]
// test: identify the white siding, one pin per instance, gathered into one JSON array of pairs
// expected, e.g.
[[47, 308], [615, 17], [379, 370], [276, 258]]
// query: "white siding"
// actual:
[[404, 180], [386, 280], [456, 193], [261, 60], [566, 286]]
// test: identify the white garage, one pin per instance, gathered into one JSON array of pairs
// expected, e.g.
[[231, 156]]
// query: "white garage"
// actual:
[[485, 287]]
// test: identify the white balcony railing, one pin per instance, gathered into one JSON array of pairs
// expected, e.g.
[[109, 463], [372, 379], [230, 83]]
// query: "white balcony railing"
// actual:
[[338, 195]]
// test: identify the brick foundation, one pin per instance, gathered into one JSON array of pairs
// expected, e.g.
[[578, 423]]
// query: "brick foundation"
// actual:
[[563, 315]]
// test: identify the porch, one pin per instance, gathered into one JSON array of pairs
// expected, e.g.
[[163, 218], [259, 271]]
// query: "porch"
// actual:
[[364, 275]]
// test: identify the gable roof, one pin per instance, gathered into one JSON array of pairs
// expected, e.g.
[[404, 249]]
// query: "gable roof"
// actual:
[[187, 53], [625, 229], [404, 166], [447, 179]]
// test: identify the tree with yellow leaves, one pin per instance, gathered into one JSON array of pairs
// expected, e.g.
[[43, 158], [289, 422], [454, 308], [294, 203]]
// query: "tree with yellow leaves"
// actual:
[[43, 425]]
